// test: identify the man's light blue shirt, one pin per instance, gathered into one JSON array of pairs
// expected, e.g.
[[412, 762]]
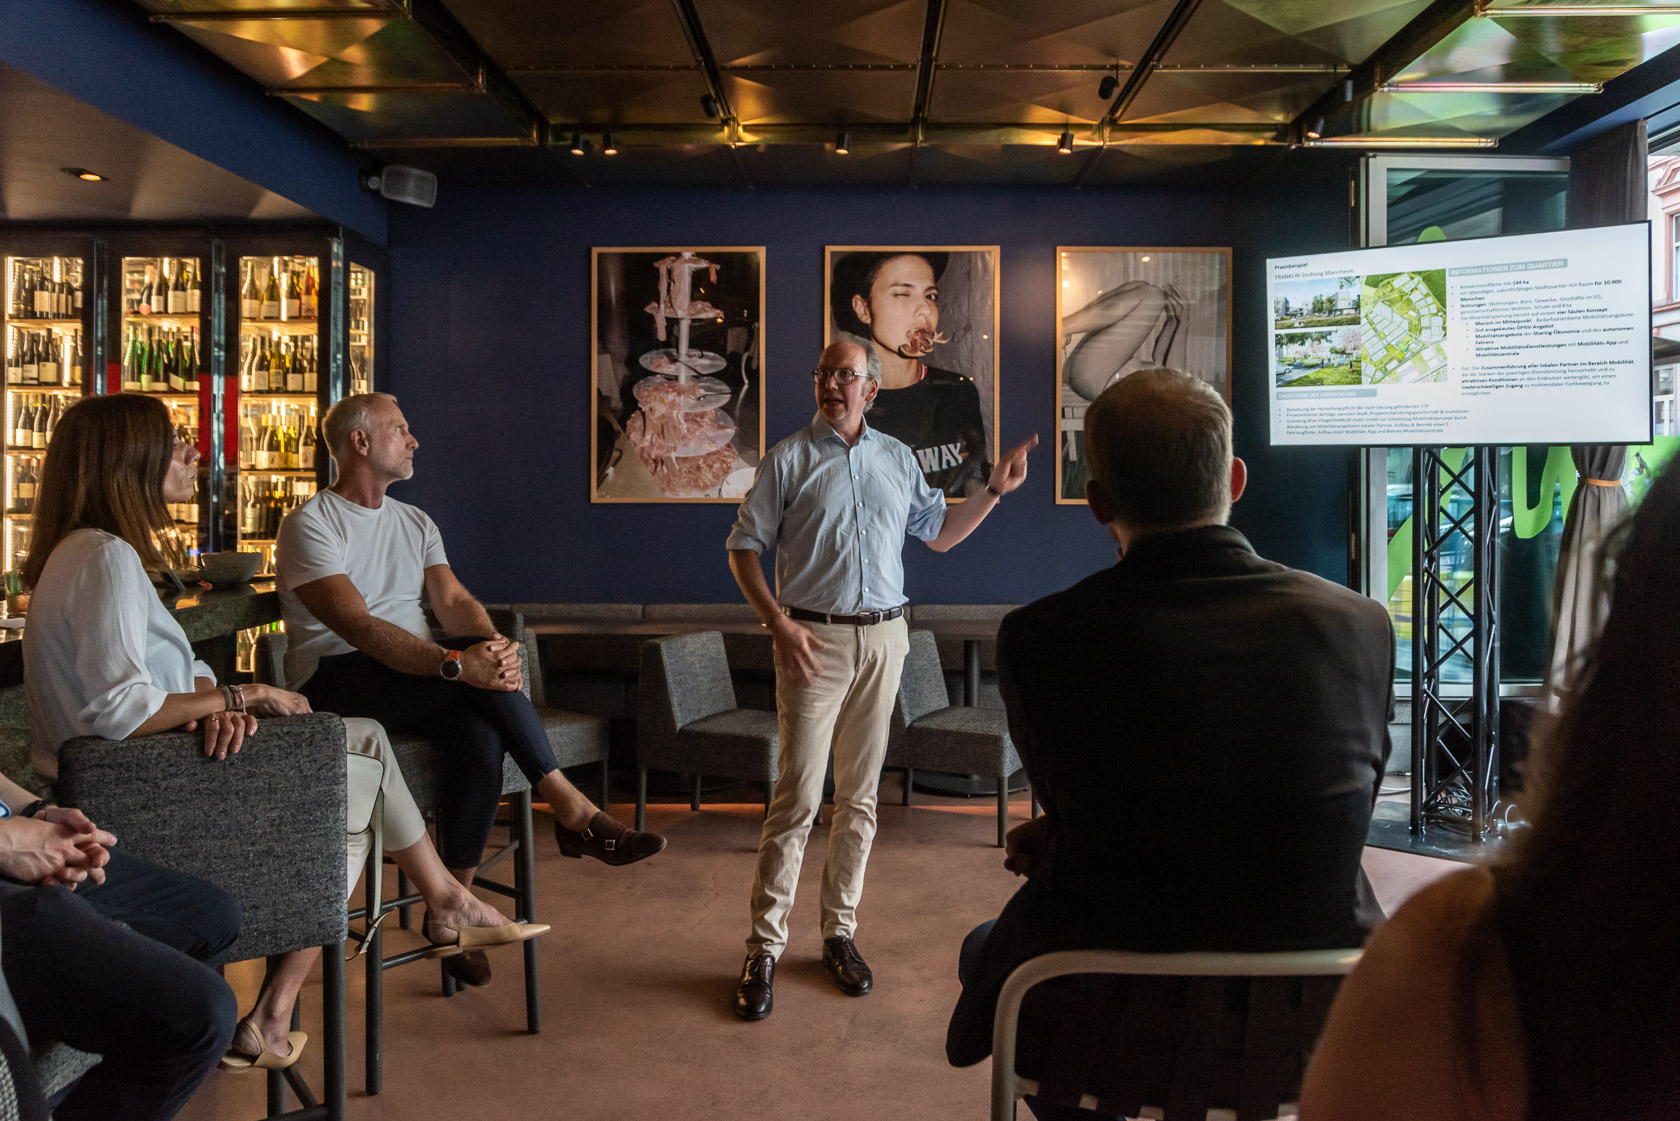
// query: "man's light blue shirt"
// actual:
[[837, 516]]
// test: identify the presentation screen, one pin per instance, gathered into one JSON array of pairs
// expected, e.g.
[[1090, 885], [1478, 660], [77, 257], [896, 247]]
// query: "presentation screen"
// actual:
[[1526, 339]]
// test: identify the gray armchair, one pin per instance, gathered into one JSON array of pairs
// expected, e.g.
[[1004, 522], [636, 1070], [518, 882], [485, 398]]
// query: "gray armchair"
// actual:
[[265, 825], [928, 731], [687, 719]]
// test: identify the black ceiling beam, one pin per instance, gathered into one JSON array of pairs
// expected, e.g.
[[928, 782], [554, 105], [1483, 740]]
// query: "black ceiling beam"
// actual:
[[1403, 48], [1145, 66], [689, 16], [926, 64], [455, 41]]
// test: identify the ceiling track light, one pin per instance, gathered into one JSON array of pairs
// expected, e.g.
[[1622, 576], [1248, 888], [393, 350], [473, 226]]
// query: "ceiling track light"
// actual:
[[842, 144], [84, 174], [1110, 84], [1403, 142], [709, 106], [577, 144], [1485, 11], [1064, 143], [1494, 87], [609, 146]]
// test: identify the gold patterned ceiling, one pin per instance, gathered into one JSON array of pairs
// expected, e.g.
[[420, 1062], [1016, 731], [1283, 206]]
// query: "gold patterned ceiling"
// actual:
[[963, 89]]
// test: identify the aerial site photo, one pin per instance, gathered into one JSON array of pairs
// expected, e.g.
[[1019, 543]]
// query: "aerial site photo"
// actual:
[[1404, 327]]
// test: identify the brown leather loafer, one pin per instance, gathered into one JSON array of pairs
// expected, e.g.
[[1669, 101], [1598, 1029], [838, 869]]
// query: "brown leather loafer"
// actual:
[[607, 840], [470, 968], [843, 962], [753, 998]]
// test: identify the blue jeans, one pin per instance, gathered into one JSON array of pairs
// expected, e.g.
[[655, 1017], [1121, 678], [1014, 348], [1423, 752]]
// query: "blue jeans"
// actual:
[[123, 969], [967, 957]]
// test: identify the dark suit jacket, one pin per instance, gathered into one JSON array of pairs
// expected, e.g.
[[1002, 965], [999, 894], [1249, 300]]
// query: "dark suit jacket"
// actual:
[[1206, 731]]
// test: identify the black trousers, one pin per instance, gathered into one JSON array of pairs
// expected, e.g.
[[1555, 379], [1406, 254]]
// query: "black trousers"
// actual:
[[123, 969], [472, 727]]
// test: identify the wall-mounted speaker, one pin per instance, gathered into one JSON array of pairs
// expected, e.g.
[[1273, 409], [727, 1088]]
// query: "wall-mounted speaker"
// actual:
[[402, 184]]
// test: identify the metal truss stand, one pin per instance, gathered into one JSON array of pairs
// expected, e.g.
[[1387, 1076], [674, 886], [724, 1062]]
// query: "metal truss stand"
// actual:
[[1455, 741]]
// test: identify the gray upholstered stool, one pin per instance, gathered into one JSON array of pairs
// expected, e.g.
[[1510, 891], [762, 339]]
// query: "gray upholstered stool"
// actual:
[[929, 732], [423, 769], [687, 719], [267, 827]]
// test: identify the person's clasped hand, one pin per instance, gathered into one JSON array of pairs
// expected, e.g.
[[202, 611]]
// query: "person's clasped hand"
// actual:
[[492, 664], [224, 732], [56, 846], [1026, 846]]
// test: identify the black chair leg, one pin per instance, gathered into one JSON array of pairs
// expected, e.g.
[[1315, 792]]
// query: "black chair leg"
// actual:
[[525, 888], [909, 777], [1003, 808], [641, 797], [606, 780], [277, 1079], [694, 802], [374, 1031], [334, 1067], [405, 913], [1033, 798]]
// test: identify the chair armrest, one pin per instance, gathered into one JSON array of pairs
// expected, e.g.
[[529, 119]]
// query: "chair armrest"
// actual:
[[265, 825]]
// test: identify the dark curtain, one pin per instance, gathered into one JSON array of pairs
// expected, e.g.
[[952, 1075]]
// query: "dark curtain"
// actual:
[[1607, 185]]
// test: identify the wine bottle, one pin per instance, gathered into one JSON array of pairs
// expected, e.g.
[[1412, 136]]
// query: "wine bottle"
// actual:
[[306, 443], [132, 361], [76, 298], [23, 421], [311, 293], [143, 374], [271, 295], [189, 362], [31, 374], [147, 293], [294, 370], [26, 486], [37, 296], [54, 415], [250, 299], [311, 372], [14, 361], [276, 368], [73, 372], [294, 295], [175, 298], [38, 432], [47, 360]]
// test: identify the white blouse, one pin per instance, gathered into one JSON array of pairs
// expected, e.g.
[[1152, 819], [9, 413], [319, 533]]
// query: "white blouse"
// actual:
[[100, 650]]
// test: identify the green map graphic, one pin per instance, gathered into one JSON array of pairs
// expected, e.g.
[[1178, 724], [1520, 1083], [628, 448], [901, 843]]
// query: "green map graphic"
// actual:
[[1405, 327]]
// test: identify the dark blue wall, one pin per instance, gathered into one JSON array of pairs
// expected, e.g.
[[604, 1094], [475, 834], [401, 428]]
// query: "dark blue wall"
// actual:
[[489, 351]]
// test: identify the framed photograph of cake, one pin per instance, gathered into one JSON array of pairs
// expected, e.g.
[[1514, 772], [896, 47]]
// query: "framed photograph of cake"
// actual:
[[1121, 310], [928, 316], [676, 357]]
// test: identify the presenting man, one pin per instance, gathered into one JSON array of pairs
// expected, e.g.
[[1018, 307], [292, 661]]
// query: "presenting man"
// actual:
[[1205, 729], [352, 567], [835, 499]]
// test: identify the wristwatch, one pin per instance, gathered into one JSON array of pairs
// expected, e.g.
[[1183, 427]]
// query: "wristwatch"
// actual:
[[450, 670]]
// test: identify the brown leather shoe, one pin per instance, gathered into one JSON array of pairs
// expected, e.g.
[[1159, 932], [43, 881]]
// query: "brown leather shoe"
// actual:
[[607, 840], [846, 966], [753, 998], [470, 968]]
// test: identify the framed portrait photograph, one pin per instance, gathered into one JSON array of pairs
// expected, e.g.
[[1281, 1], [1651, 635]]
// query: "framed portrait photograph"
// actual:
[[928, 317], [1122, 310], [677, 353]]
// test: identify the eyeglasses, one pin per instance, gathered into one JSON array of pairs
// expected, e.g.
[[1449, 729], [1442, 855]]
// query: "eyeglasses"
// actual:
[[842, 376]]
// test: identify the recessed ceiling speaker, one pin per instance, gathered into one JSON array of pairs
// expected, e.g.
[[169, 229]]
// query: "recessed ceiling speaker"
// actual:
[[402, 184]]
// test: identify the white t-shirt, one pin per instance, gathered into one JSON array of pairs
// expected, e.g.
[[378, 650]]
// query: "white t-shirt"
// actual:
[[100, 651], [385, 552]]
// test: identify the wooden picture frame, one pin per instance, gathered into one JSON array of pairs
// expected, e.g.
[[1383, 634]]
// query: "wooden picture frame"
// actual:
[[662, 427], [1120, 309], [939, 390]]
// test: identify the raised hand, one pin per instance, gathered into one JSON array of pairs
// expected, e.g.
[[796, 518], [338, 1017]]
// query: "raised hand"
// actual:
[[1011, 470]]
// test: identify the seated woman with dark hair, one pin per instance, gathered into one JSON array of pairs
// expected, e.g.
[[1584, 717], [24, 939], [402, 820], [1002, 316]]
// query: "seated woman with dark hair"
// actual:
[[1547, 985], [103, 657]]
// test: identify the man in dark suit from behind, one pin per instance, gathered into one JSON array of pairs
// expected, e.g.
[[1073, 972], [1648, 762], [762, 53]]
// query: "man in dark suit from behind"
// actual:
[[1205, 729]]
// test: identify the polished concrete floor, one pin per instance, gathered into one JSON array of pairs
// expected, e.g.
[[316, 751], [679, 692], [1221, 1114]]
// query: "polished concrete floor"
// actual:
[[638, 972]]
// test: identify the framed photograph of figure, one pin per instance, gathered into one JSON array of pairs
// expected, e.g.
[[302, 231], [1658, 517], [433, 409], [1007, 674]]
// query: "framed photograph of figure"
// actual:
[[928, 316], [677, 352], [1121, 310]]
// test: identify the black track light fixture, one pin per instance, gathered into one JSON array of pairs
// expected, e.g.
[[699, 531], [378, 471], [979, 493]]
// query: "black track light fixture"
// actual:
[[577, 144], [609, 145], [709, 106], [842, 143], [1064, 145], [1108, 86]]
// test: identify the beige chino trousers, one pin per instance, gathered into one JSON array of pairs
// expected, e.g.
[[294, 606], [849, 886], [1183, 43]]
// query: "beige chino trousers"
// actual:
[[848, 710], [371, 770]]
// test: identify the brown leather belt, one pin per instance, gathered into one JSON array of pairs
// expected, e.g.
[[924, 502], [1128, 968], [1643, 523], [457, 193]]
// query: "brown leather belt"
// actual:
[[867, 619]]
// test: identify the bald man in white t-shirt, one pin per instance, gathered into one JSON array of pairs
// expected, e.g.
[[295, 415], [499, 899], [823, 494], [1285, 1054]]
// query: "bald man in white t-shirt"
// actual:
[[356, 569]]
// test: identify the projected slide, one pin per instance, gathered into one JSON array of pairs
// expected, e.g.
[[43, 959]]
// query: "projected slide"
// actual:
[[1538, 338]]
